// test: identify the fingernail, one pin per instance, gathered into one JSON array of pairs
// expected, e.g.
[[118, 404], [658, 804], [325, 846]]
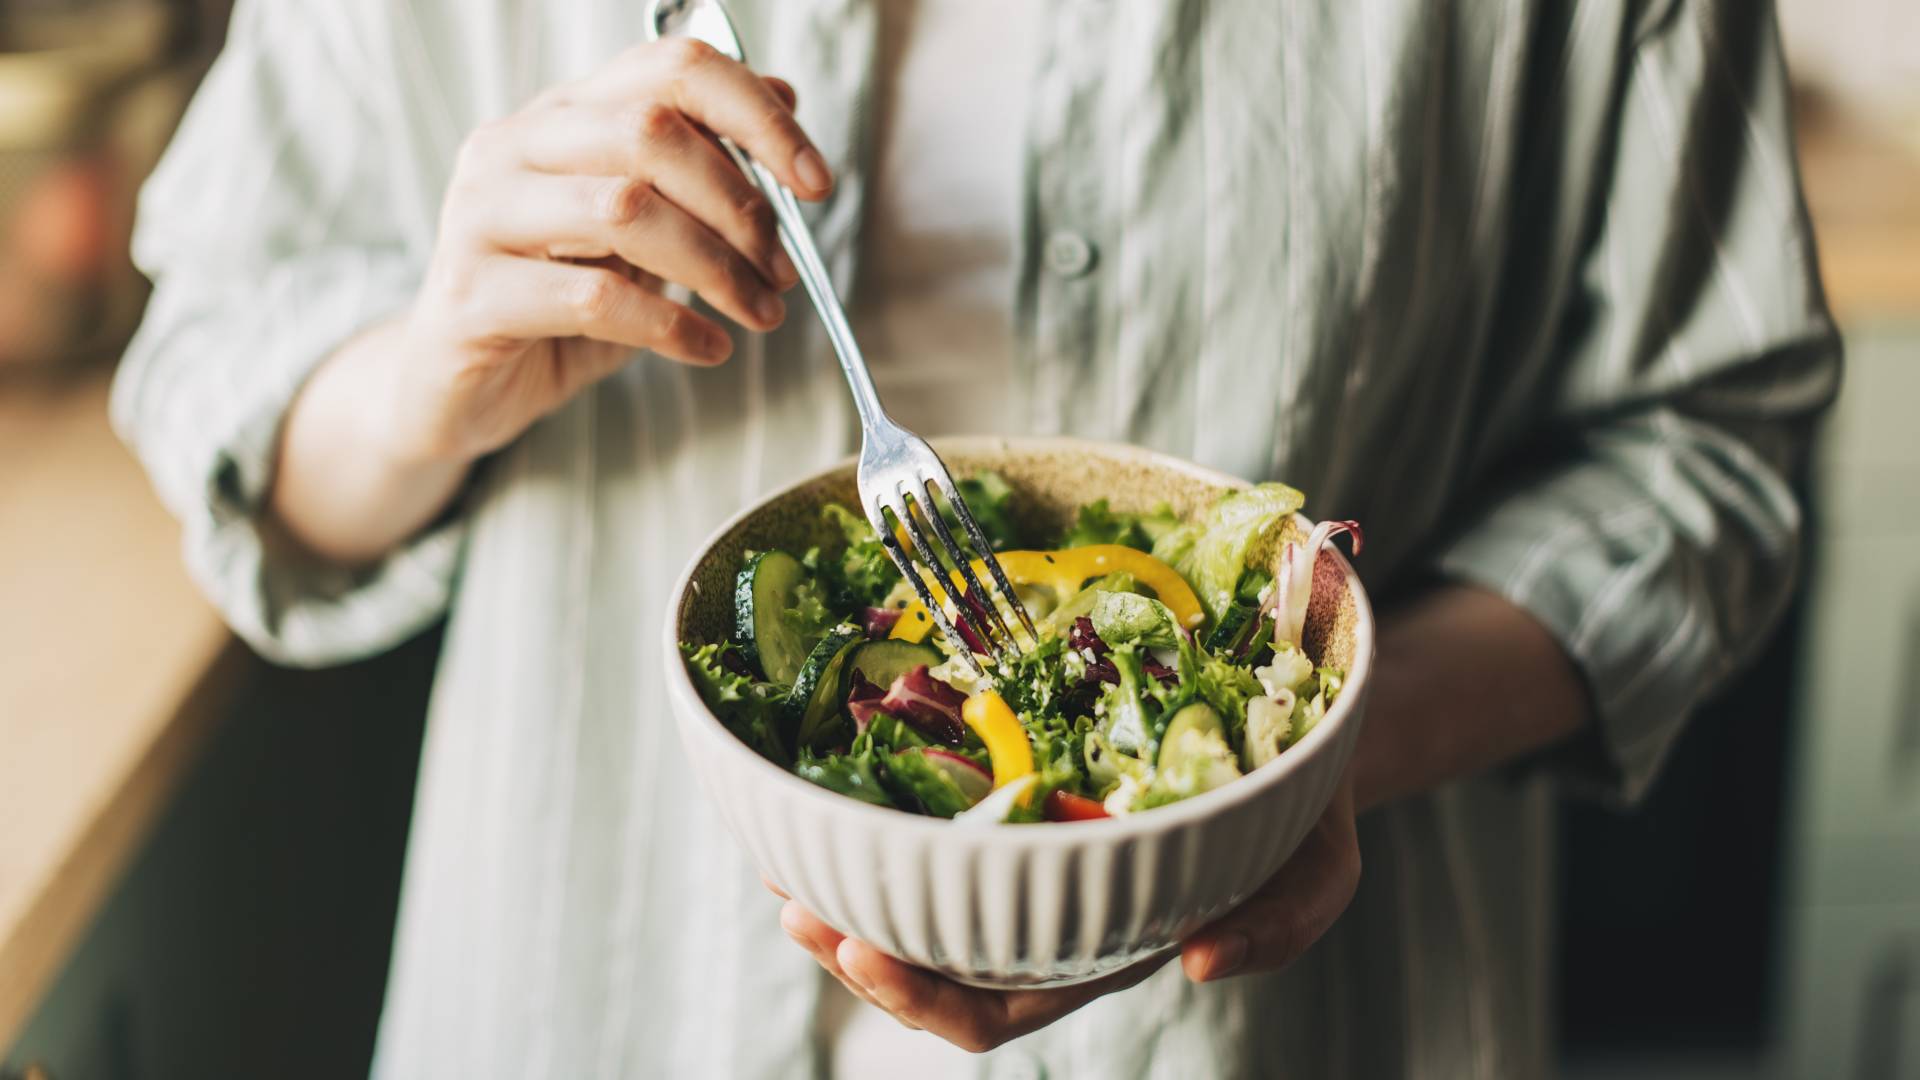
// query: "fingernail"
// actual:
[[784, 272], [812, 170], [790, 918], [852, 972], [1229, 952], [770, 308]]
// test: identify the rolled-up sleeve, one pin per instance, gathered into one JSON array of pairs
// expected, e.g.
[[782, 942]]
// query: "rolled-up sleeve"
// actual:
[[1659, 541], [269, 231]]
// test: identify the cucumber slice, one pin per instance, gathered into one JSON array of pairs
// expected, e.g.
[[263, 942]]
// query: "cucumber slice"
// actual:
[[766, 588], [881, 662], [1197, 719], [1235, 624], [816, 690]]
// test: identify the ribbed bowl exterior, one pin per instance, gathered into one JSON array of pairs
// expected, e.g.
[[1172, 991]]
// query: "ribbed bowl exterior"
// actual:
[[1008, 905], [1023, 905]]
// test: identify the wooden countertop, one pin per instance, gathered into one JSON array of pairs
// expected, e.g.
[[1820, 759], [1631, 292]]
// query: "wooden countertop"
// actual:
[[112, 671], [1863, 193]]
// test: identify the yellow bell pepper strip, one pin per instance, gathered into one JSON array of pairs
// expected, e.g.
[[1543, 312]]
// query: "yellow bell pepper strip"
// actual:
[[914, 624], [1007, 748], [1066, 570]]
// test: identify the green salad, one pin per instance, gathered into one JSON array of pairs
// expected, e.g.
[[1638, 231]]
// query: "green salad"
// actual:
[[1168, 661]]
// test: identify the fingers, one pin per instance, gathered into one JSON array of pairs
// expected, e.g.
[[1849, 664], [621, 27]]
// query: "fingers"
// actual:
[[773, 888], [725, 97], [974, 1019], [821, 940], [783, 90], [590, 217], [529, 299], [658, 144], [1294, 909]]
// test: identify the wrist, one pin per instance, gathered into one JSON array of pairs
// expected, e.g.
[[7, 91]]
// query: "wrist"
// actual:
[[1464, 682], [404, 421], [353, 477]]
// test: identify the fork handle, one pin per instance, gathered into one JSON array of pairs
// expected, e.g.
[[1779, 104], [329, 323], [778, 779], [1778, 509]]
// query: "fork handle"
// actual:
[[813, 275]]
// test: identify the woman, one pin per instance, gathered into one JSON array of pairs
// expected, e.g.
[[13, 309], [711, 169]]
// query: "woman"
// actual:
[[1525, 287]]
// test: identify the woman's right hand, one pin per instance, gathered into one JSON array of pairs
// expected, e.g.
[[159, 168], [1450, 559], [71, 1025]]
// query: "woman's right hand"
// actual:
[[566, 219]]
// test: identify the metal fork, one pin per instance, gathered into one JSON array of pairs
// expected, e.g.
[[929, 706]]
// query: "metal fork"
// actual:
[[897, 468]]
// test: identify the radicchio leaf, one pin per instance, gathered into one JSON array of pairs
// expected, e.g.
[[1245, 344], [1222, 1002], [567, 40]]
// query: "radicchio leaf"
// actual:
[[1083, 639], [932, 707], [879, 621], [731, 660], [1293, 577], [863, 702]]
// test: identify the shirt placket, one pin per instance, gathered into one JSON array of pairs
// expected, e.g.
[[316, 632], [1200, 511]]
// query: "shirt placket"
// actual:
[[1065, 220]]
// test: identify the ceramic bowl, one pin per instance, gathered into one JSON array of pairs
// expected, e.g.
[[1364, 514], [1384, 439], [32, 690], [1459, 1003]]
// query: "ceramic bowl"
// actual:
[[1016, 905]]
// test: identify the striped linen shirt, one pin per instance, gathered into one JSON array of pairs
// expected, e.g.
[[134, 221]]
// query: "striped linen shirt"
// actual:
[[1525, 286]]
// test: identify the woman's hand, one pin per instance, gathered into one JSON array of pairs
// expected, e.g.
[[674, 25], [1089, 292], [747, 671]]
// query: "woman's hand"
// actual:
[[1268, 932], [563, 220]]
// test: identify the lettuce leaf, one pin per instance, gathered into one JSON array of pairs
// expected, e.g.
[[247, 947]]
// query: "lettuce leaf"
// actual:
[[891, 733], [1035, 682], [862, 575], [1228, 689], [990, 498], [852, 775], [1081, 603], [1238, 531], [1127, 726], [912, 779], [749, 708], [1122, 618], [1096, 523]]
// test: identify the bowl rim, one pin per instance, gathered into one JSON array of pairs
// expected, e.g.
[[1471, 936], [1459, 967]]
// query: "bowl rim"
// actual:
[[1188, 811]]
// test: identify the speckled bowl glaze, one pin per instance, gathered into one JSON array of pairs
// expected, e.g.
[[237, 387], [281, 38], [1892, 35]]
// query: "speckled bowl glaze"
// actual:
[[1017, 905]]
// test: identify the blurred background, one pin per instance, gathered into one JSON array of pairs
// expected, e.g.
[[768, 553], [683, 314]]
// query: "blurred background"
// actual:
[[200, 853]]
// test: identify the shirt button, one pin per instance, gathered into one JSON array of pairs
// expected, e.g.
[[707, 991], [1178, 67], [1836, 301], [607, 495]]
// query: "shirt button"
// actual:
[[1068, 254]]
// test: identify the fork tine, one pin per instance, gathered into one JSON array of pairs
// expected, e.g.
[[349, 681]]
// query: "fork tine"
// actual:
[[967, 612], [981, 596], [987, 556], [878, 518], [974, 604]]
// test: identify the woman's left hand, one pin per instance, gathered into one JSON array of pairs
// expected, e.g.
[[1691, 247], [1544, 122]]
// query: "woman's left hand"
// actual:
[[1268, 932]]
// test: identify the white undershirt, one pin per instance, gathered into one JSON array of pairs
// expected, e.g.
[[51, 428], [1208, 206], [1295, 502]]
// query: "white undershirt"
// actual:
[[934, 311]]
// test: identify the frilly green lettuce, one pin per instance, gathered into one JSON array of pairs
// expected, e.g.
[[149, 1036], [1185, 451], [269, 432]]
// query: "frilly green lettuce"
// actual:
[[749, 708], [1097, 524]]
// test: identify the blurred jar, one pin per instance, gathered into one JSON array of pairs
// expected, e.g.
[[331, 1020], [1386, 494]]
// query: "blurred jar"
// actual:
[[89, 92]]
